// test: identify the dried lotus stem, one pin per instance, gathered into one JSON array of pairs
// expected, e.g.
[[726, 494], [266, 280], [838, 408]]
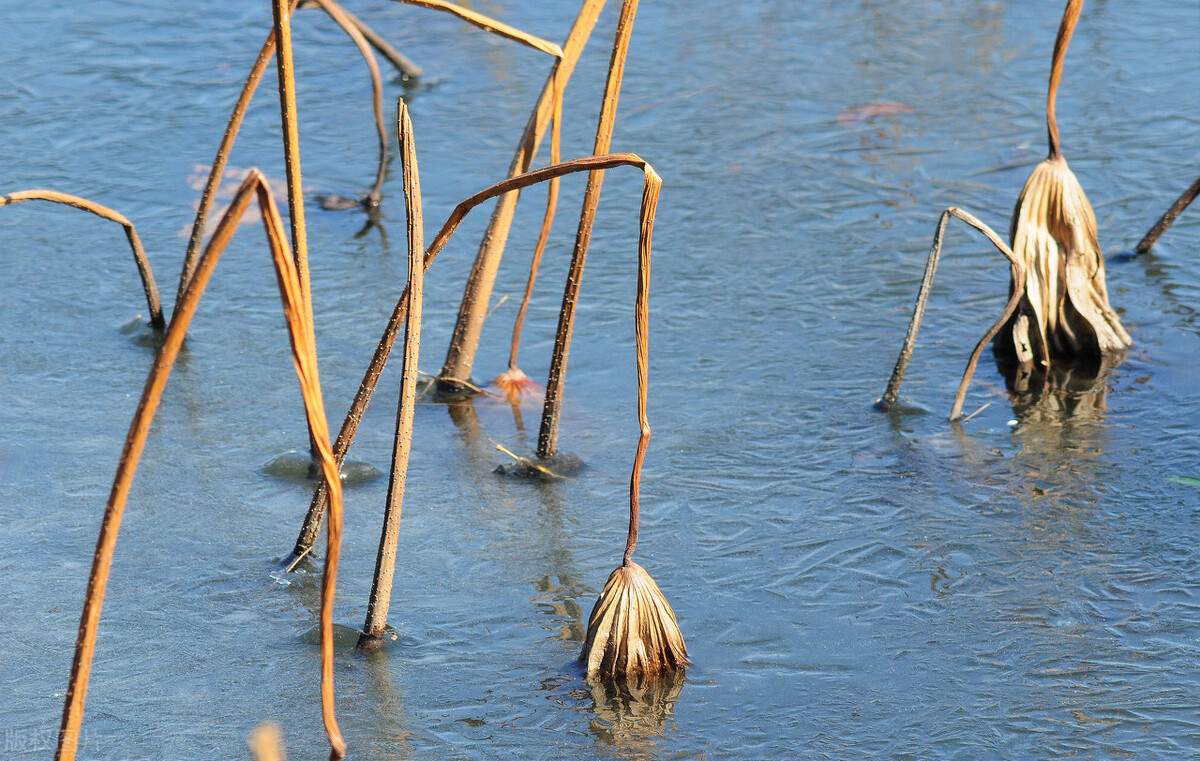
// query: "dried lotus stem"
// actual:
[[291, 140], [473, 309], [489, 25], [385, 562], [139, 254], [312, 520], [632, 629], [552, 407], [208, 195], [1168, 218], [221, 160], [892, 394], [300, 331], [353, 28], [513, 380]]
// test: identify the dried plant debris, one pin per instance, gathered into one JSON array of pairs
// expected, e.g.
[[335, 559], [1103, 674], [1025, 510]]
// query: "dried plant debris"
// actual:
[[1065, 313], [632, 629]]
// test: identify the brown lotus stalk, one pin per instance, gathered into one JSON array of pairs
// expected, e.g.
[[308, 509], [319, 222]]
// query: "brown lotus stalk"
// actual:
[[1065, 313], [139, 254], [385, 561], [1168, 217], [209, 194], [489, 25], [291, 140], [632, 629], [312, 520], [473, 310], [217, 170], [892, 394], [513, 381], [300, 331], [552, 407]]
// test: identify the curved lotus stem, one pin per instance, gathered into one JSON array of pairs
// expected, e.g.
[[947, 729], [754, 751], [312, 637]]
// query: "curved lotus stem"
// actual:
[[139, 254], [1065, 30], [312, 520], [892, 394], [407, 68], [632, 629], [300, 331]]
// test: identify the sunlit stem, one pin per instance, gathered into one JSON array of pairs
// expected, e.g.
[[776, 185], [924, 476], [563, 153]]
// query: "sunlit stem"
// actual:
[[300, 330], [385, 562], [473, 309], [650, 193], [544, 234]]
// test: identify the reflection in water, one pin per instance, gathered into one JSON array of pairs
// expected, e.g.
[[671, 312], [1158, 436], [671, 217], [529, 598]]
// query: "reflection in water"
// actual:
[[632, 712], [391, 734], [559, 590], [1060, 394]]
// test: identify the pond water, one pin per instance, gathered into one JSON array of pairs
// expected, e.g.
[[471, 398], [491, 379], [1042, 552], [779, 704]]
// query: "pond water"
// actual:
[[850, 583]]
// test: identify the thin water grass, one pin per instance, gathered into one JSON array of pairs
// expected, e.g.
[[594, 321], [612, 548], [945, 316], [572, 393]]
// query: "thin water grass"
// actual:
[[301, 336], [632, 629], [153, 303]]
